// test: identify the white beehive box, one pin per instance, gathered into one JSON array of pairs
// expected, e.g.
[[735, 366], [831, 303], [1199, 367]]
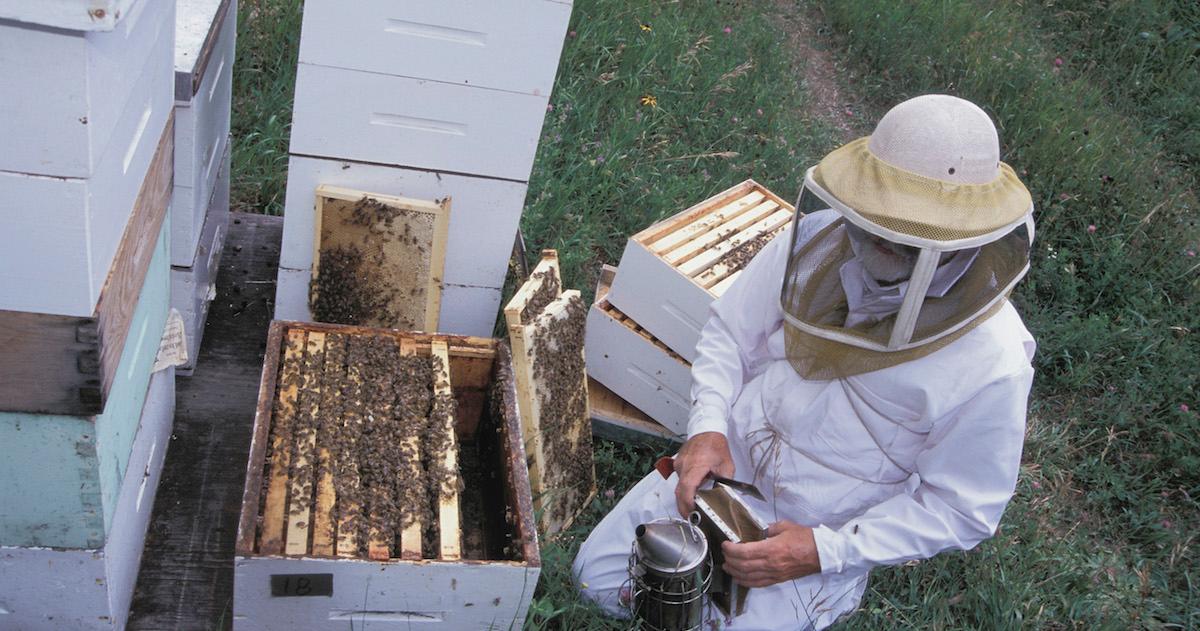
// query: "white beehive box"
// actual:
[[205, 39], [75, 102], [75, 15], [672, 271], [298, 566], [61, 233], [193, 288], [511, 46], [63, 588], [637, 367], [385, 119]]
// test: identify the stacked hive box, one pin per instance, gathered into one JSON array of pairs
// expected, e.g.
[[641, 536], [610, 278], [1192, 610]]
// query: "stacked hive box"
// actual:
[[205, 39], [424, 100], [386, 485], [85, 185], [642, 333]]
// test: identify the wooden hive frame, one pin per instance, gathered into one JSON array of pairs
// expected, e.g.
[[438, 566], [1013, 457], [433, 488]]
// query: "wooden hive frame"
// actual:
[[536, 306], [671, 271], [429, 288], [638, 368]]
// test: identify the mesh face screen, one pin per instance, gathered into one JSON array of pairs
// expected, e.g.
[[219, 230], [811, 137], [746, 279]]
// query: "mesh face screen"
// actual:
[[813, 294]]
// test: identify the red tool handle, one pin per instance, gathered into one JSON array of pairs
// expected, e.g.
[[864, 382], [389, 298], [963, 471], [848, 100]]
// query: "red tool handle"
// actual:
[[665, 466]]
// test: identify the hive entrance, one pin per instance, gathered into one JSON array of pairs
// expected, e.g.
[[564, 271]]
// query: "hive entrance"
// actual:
[[378, 259], [373, 450]]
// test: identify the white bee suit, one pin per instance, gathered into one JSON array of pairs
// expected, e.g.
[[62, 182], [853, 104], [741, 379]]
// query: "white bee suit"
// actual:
[[886, 466]]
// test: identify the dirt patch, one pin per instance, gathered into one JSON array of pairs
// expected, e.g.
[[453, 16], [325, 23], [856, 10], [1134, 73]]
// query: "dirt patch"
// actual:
[[829, 83]]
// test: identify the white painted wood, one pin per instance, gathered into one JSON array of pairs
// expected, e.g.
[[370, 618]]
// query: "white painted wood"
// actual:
[[190, 206], [469, 310], [645, 375], [69, 97], [194, 20], [291, 295], [79, 15], [399, 595], [44, 588], [483, 219], [512, 46], [202, 123], [661, 299], [354, 115], [61, 234], [192, 288]]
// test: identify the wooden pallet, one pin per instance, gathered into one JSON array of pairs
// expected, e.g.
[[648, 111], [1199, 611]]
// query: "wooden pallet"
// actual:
[[560, 492], [671, 271], [479, 563], [404, 255]]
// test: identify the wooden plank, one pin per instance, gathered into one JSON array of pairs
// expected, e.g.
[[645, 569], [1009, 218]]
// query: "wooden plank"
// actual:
[[351, 511], [616, 419], [723, 231], [334, 373], [410, 537], [721, 287], [448, 518], [303, 476], [546, 271], [284, 416], [706, 224], [704, 261], [718, 272], [663, 227]]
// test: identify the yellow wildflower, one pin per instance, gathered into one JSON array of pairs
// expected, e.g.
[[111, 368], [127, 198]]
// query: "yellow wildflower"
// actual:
[[649, 100], [646, 27]]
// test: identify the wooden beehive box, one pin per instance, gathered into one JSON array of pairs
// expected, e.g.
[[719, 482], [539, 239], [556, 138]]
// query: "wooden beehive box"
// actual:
[[378, 259], [671, 271], [545, 325], [637, 367], [343, 525]]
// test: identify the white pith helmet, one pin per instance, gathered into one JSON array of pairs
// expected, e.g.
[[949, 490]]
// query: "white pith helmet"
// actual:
[[941, 137]]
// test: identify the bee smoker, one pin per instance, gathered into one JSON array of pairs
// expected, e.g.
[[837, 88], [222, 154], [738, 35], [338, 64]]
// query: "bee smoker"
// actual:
[[670, 571]]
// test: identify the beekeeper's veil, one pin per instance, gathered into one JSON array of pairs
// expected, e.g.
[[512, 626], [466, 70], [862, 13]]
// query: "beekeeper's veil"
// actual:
[[934, 231]]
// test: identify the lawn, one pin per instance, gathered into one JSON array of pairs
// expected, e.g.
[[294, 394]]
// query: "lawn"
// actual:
[[658, 105]]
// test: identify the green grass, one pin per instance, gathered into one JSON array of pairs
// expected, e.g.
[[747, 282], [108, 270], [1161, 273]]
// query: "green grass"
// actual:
[[1100, 533]]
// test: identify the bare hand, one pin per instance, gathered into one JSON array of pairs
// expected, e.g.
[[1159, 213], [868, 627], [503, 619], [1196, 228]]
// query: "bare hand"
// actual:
[[788, 552], [704, 453]]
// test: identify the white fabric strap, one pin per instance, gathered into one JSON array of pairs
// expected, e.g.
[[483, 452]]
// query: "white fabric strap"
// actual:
[[906, 319]]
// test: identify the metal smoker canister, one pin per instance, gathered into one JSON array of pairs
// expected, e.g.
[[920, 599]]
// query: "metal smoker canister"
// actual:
[[670, 570]]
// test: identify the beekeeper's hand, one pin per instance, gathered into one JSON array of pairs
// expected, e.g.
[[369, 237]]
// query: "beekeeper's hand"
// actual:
[[704, 453], [788, 552]]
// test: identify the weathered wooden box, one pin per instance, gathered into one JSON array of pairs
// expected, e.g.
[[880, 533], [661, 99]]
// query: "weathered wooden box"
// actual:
[[638, 368], [672, 271], [316, 548], [205, 39], [512, 46], [78, 101]]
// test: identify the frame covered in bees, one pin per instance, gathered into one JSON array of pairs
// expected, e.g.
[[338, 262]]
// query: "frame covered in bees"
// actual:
[[386, 484], [545, 325], [378, 260], [671, 271]]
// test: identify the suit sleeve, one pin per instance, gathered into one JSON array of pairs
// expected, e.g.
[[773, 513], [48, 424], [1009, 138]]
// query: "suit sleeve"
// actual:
[[964, 479]]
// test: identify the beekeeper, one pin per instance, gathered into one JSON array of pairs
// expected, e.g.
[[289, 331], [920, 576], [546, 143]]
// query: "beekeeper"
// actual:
[[866, 371]]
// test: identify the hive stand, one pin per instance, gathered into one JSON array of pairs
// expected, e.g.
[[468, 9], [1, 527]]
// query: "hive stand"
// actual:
[[558, 499]]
